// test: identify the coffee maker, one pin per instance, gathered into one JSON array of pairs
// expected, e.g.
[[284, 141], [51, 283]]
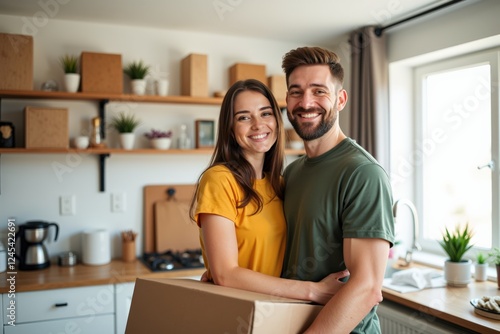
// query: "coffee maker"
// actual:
[[32, 253]]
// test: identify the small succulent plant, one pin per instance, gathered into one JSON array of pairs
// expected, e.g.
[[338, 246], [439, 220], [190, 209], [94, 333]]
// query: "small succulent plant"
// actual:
[[124, 123], [136, 70], [69, 63]]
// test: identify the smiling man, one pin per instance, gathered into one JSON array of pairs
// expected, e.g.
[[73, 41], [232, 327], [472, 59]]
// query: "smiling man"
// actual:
[[338, 199]]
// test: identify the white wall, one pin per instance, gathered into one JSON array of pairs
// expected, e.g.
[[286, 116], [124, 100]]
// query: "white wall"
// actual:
[[31, 185]]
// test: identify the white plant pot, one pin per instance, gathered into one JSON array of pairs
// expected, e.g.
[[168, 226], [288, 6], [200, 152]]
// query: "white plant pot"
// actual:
[[138, 86], [481, 272], [161, 143], [161, 87], [457, 274], [72, 82], [127, 140]]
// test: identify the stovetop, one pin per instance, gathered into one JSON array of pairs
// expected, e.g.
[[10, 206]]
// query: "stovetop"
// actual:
[[170, 260]]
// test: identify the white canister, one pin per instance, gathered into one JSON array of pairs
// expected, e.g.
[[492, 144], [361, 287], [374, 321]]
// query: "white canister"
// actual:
[[96, 248]]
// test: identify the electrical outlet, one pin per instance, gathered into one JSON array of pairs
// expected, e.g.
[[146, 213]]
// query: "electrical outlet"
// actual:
[[118, 202], [67, 205]]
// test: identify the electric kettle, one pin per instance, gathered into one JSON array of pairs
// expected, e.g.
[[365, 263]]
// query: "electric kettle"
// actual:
[[32, 252]]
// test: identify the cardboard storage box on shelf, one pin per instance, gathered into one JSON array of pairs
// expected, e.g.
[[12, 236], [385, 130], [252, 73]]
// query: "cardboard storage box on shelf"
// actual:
[[101, 73], [241, 71], [190, 306], [194, 75], [46, 127], [277, 85], [16, 62]]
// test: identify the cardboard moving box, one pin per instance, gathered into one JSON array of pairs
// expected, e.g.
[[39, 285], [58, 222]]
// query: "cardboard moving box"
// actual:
[[241, 71], [16, 62], [194, 75], [46, 127], [101, 73], [190, 306]]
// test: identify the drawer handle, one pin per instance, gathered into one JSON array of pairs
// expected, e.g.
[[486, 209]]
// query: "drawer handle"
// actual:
[[61, 304]]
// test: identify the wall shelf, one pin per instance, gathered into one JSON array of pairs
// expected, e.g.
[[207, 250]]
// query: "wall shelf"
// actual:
[[98, 151], [104, 99], [34, 94]]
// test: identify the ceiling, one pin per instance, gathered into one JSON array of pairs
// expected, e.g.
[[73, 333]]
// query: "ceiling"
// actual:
[[320, 22]]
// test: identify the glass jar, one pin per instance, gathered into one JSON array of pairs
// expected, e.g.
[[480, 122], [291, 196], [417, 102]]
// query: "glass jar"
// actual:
[[95, 138]]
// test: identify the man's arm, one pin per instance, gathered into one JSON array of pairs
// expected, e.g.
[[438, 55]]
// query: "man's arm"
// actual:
[[366, 260]]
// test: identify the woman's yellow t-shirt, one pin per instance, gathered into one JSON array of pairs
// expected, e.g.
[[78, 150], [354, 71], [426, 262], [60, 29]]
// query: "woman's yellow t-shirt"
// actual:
[[261, 237]]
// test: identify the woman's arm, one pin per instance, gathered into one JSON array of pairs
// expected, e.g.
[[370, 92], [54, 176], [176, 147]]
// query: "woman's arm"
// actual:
[[221, 249]]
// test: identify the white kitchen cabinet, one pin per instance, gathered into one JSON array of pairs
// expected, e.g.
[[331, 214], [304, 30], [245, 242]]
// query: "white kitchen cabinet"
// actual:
[[123, 300], [89, 309], [102, 324]]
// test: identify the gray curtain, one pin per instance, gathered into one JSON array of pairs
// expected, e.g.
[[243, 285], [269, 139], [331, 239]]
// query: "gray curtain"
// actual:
[[369, 94]]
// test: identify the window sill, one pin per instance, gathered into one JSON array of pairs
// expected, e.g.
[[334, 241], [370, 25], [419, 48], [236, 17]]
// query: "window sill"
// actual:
[[437, 261]]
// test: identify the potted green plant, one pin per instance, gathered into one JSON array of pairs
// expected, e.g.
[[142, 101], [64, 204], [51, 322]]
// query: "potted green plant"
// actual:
[[125, 125], [457, 270], [71, 76], [159, 139], [137, 72], [494, 257], [481, 267]]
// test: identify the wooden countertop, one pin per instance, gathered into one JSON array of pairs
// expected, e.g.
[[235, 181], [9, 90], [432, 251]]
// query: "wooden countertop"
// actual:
[[451, 304], [56, 277]]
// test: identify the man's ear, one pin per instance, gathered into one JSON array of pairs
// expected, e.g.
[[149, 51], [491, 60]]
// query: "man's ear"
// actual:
[[342, 99]]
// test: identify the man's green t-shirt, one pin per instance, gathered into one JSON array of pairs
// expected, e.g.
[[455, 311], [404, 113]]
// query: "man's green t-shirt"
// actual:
[[344, 193]]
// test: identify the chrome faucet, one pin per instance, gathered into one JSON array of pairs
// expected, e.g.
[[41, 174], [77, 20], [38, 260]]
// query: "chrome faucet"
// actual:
[[415, 245]]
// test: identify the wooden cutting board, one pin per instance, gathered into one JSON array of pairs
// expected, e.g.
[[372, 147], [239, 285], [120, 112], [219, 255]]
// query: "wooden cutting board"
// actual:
[[158, 193], [173, 228]]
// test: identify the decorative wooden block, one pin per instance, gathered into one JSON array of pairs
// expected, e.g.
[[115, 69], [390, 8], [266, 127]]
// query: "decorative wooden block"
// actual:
[[247, 71], [16, 62], [101, 73], [277, 84], [194, 75], [46, 127]]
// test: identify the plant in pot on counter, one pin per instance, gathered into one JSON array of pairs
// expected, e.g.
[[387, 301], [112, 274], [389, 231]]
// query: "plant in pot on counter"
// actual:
[[71, 77], [159, 139], [457, 270], [125, 124], [137, 72], [481, 267]]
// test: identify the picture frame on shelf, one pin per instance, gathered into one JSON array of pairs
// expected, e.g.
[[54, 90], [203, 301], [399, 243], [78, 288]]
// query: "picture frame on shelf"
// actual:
[[205, 133]]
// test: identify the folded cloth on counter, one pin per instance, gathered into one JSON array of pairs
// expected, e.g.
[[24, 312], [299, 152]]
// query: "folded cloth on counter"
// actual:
[[414, 279]]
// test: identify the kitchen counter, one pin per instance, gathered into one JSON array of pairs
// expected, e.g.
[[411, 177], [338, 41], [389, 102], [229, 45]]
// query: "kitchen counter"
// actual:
[[451, 304], [56, 277]]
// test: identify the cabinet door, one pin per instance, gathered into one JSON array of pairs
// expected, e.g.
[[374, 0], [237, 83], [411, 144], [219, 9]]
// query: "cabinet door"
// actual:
[[123, 300], [101, 324], [85, 302]]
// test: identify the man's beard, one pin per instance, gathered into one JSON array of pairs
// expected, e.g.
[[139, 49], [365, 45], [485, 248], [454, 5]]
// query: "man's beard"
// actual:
[[306, 131]]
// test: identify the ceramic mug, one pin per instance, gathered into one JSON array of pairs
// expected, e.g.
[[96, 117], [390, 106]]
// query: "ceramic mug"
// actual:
[[82, 142], [162, 87]]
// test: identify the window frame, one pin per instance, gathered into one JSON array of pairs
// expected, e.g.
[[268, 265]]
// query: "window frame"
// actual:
[[413, 188]]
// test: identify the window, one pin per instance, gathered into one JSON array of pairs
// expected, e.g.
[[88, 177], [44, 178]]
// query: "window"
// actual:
[[451, 154]]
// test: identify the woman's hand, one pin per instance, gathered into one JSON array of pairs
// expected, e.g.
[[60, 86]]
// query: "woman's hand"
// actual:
[[204, 277], [328, 286]]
